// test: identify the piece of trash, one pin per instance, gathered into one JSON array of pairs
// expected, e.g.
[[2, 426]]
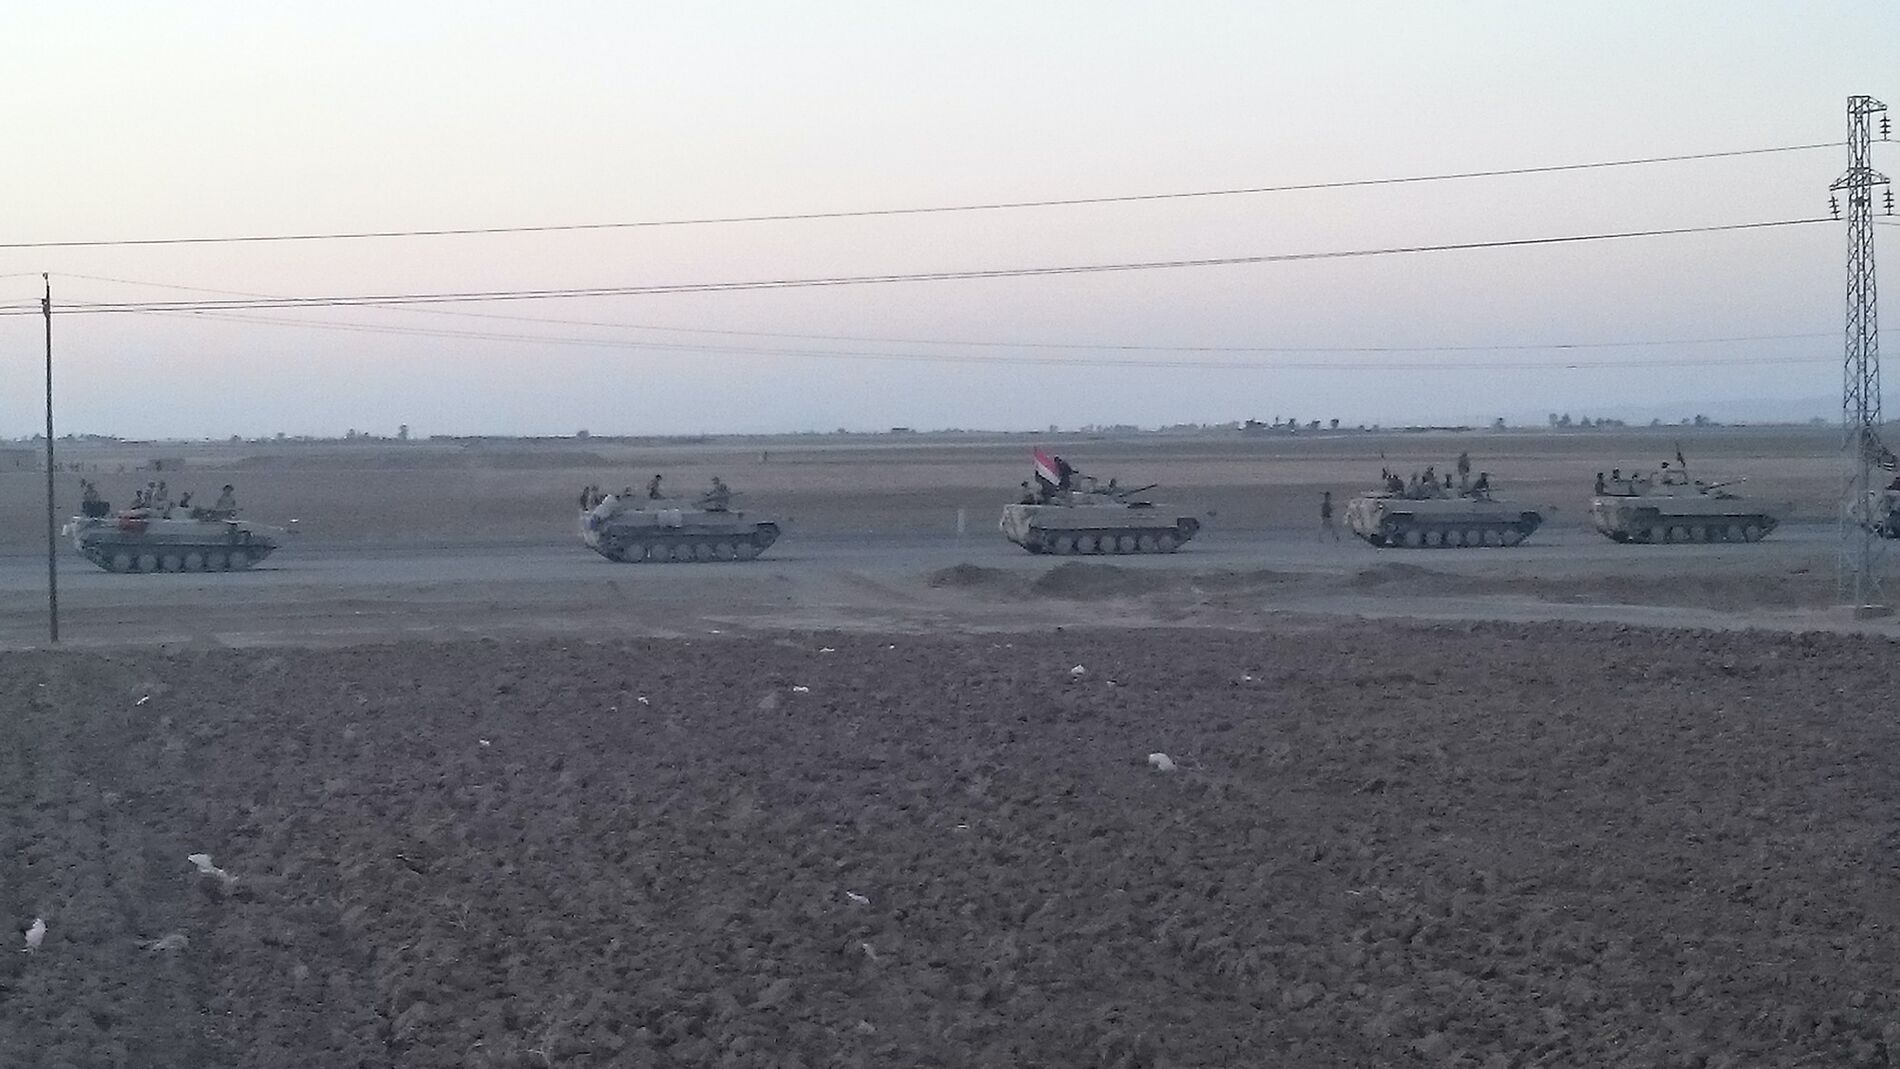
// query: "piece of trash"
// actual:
[[174, 941], [143, 700], [801, 690], [1246, 679], [206, 868], [1161, 762], [35, 934], [868, 952], [857, 898], [826, 649], [642, 699], [1078, 670], [714, 631]]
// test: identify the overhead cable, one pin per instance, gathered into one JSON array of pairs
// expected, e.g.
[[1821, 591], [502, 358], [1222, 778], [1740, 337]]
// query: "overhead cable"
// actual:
[[392, 299], [865, 213]]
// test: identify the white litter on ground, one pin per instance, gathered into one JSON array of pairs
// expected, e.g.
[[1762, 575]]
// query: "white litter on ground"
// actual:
[[1161, 762], [35, 934], [174, 941], [206, 868]]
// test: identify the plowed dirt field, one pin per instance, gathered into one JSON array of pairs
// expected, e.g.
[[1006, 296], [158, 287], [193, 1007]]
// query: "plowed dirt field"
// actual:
[[1381, 844]]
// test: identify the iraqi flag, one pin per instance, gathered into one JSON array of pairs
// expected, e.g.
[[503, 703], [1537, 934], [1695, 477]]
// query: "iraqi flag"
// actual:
[[1046, 468]]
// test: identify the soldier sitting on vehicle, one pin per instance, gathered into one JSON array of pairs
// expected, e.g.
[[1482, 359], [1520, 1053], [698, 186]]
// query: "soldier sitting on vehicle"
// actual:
[[92, 504], [719, 498], [225, 507], [1029, 495], [1482, 488], [653, 489]]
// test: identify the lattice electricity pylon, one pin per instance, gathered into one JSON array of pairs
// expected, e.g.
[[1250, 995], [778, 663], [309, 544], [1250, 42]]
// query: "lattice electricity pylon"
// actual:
[[1862, 548]]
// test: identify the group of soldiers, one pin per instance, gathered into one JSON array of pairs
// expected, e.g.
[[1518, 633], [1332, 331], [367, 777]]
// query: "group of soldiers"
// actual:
[[1426, 485], [717, 498], [155, 499], [1638, 482]]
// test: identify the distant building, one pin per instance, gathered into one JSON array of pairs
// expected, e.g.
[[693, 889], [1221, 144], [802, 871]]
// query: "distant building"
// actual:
[[17, 459]]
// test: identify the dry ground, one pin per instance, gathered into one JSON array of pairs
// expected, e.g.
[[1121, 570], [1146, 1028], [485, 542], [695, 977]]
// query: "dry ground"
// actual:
[[1469, 845]]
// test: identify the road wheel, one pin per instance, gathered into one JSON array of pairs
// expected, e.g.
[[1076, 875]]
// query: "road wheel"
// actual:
[[122, 562], [148, 562], [1166, 542], [1146, 543], [1514, 535], [702, 551], [1062, 545], [1125, 544], [240, 560], [215, 561], [194, 562], [1413, 539], [726, 551], [1751, 532]]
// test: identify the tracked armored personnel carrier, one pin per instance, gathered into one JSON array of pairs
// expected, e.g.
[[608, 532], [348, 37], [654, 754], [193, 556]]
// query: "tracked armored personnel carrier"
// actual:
[[1671, 507], [669, 530], [1882, 514], [1389, 519], [200, 540], [1070, 522]]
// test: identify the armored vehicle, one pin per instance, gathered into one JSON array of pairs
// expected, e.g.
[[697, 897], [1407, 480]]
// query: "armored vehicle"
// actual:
[[1390, 518], [1672, 507], [1103, 520], [669, 530], [197, 540], [1882, 511]]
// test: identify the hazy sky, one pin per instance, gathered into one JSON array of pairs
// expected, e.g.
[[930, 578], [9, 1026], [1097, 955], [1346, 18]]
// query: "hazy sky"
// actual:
[[137, 120]]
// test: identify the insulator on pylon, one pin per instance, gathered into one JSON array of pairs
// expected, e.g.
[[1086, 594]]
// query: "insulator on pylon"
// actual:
[[1886, 127], [1889, 201], [1834, 206]]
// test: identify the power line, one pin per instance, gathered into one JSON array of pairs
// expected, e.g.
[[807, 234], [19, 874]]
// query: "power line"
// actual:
[[866, 213], [1020, 359], [991, 343], [859, 280]]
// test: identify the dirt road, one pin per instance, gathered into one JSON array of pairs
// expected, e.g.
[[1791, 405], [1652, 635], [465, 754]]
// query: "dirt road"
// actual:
[[317, 593]]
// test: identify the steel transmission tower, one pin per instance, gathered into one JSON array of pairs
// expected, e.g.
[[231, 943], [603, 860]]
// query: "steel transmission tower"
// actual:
[[1861, 548]]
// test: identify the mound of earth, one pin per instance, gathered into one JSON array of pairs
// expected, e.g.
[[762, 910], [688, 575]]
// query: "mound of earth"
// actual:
[[972, 577], [1082, 580], [1379, 845]]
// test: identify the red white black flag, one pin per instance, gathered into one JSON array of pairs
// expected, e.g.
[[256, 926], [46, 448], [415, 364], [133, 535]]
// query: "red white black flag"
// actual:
[[1046, 468]]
